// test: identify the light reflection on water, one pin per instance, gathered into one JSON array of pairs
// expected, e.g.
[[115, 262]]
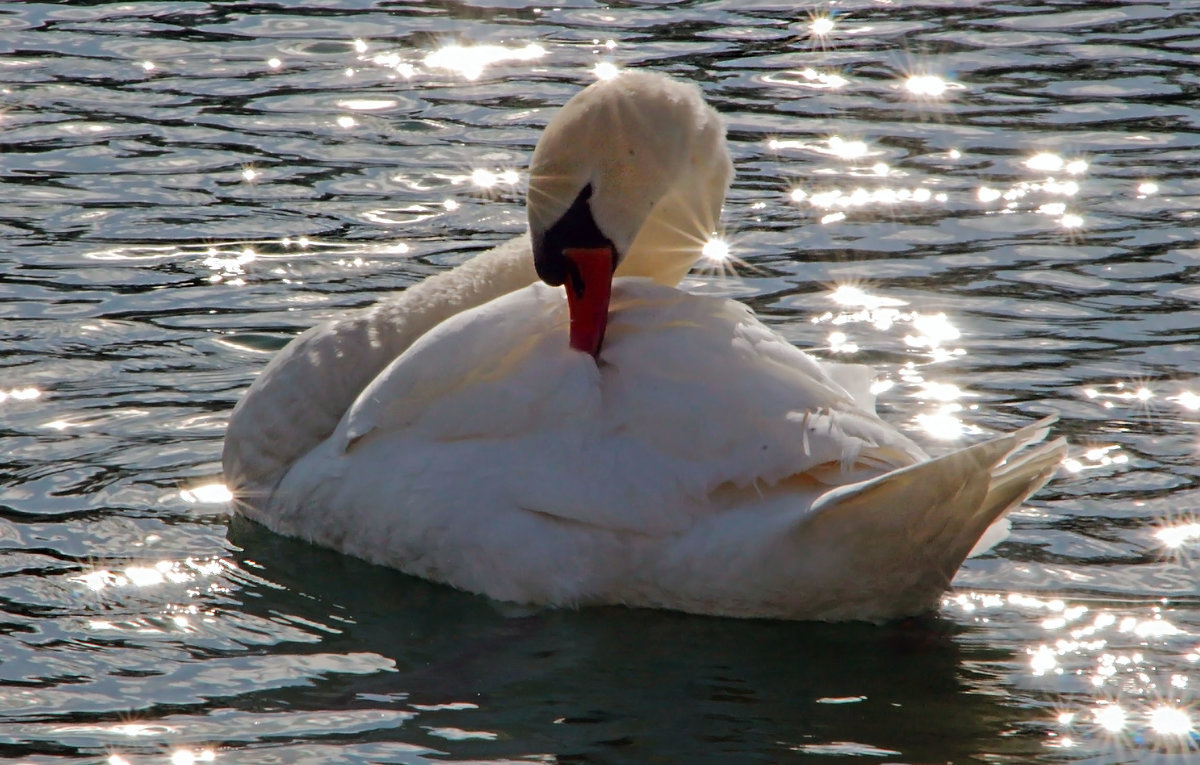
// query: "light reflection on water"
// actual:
[[472, 60], [927, 85], [970, 203], [1106, 693]]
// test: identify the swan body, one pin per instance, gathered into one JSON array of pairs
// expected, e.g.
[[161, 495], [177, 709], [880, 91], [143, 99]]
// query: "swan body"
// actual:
[[692, 459]]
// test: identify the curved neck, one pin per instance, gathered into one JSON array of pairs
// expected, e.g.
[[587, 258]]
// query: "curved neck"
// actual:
[[669, 242], [325, 369], [424, 305]]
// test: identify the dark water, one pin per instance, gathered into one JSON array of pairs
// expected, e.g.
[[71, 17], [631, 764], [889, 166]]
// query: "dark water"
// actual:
[[185, 185]]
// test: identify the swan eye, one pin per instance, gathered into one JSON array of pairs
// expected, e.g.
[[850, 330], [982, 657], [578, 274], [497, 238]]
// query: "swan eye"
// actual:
[[576, 229]]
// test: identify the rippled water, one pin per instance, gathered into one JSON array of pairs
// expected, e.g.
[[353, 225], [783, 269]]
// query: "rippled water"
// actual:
[[994, 204]]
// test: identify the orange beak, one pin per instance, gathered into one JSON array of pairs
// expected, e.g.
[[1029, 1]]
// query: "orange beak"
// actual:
[[589, 286]]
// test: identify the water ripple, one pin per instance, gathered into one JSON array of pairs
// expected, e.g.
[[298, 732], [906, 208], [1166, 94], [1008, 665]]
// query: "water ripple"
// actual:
[[992, 205]]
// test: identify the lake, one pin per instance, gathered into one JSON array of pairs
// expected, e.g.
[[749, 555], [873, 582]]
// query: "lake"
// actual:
[[995, 205]]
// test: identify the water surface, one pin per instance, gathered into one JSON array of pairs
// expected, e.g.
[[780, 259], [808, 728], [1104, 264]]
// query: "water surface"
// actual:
[[993, 204]]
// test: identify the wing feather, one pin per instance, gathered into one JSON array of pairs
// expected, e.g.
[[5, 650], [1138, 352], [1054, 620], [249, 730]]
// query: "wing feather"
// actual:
[[691, 394]]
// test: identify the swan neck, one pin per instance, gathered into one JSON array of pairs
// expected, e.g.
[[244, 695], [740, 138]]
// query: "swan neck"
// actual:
[[669, 242]]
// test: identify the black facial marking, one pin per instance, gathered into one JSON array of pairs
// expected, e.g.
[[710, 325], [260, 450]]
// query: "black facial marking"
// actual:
[[576, 228]]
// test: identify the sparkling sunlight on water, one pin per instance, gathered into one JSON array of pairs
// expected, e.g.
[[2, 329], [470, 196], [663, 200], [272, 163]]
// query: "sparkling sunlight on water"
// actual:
[[992, 206]]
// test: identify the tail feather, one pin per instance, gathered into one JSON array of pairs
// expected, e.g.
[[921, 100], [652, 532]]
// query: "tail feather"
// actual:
[[1013, 481], [912, 528]]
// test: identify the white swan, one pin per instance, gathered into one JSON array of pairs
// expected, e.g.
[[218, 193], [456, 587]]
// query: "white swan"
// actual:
[[689, 458]]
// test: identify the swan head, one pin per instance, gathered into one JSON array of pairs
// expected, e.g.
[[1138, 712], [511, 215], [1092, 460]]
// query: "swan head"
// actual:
[[628, 179]]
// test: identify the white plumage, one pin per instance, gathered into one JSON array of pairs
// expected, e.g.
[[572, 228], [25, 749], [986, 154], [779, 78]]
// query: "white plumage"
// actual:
[[701, 463]]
